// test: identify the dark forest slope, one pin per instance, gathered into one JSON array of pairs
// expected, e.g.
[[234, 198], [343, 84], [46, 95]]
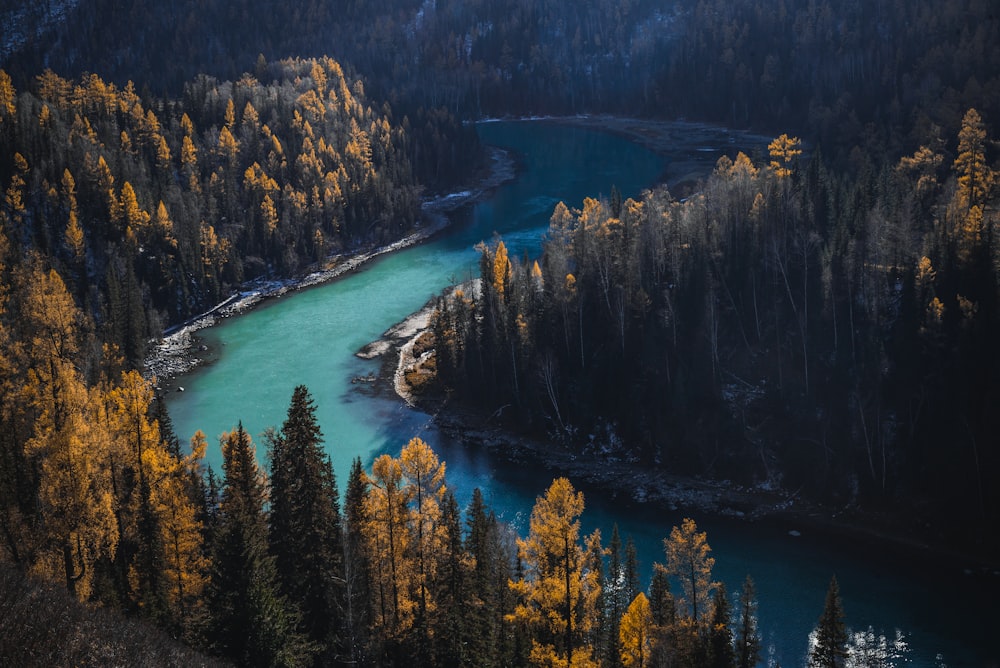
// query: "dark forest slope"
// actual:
[[845, 73]]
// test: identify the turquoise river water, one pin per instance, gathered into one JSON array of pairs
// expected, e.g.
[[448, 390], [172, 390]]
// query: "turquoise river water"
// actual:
[[310, 337]]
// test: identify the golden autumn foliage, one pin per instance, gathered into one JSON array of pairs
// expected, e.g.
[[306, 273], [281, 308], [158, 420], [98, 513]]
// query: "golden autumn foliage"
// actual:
[[501, 270], [102, 466], [423, 474], [78, 524], [784, 151], [689, 560], [635, 633], [975, 178], [556, 596], [388, 544], [8, 97]]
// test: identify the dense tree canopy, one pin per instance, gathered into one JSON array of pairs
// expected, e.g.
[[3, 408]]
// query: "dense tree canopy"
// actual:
[[822, 319], [848, 74], [153, 209], [784, 325]]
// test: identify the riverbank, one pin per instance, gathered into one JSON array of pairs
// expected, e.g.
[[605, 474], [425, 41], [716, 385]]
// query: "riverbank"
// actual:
[[686, 168], [630, 483], [179, 352]]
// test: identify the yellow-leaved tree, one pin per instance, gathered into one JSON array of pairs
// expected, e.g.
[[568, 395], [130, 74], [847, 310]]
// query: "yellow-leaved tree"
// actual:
[[77, 525], [635, 631], [784, 150], [555, 596], [689, 560], [423, 474], [388, 545], [185, 566], [975, 178]]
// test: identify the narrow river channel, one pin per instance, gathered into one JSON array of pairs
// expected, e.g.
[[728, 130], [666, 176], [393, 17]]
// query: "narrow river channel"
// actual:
[[310, 337]]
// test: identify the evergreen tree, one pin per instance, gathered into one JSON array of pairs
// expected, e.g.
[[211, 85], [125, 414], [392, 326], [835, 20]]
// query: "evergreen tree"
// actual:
[[451, 624], [357, 578], [661, 600], [829, 647], [484, 600], [747, 635], [252, 624], [720, 636], [632, 583], [663, 610], [615, 595], [305, 531], [598, 637]]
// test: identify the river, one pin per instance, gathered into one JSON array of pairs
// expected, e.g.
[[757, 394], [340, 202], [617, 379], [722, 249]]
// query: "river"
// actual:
[[311, 336]]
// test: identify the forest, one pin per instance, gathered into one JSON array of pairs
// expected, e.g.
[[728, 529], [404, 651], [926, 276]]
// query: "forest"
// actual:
[[262, 568], [819, 320], [785, 326], [154, 210], [844, 73]]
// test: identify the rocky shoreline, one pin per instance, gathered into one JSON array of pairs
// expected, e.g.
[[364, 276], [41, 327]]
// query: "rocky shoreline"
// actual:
[[179, 352], [632, 483]]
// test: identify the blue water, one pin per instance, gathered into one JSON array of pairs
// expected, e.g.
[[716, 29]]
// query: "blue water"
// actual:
[[310, 338]]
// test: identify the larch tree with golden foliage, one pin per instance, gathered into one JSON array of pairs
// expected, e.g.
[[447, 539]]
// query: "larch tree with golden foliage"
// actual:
[[689, 560], [137, 460], [975, 178], [386, 509], [784, 151], [78, 525], [185, 563], [635, 633], [554, 594], [423, 474]]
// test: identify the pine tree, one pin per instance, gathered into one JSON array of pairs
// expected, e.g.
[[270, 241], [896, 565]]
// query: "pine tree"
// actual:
[[305, 530], [663, 610], [747, 634], [252, 623], [484, 600], [632, 584], [720, 637], [661, 600], [595, 622], [357, 577], [830, 647], [452, 627], [615, 597]]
